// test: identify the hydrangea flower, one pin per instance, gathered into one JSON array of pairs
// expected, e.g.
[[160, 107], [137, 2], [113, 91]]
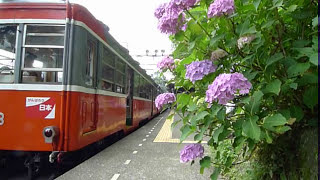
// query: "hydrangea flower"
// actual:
[[163, 99], [166, 63], [221, 7], [171, 22], [218, 54], [160, 10], [245, 40], [225, 86], [191, 152], [198, 69], [185, 4], [171, 17]]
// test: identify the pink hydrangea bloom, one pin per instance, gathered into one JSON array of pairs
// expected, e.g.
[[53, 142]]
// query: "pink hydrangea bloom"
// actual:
[[164, 98], [166, 63], [191, 152], [221, 7], [225, 86], [198, 69]]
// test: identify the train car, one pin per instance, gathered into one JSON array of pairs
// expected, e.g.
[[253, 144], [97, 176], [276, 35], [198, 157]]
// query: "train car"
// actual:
[[65, 82]]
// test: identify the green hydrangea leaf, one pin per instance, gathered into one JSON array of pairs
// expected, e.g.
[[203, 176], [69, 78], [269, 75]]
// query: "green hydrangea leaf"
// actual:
[[273, 87], [251, 129], [310, 97], [274, 120]]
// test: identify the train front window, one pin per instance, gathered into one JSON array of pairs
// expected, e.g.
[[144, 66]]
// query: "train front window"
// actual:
[[7, 52], [43, 54], [45, 35]]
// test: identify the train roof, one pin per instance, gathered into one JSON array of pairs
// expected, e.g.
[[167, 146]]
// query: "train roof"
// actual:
[[61, 10]]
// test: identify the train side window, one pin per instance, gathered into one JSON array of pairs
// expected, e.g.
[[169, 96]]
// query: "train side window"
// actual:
[[43, 54], [142, 88], [7, 52], [108, 72], [107, 86], [90, 63], [120, 75], [136, 84], [45, 35], [148, 93]]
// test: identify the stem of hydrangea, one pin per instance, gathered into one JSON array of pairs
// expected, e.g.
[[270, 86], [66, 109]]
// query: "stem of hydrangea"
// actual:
[[234, 32], [204, 30], [179, 114], [247, 159], [280, 30], [203, 51]]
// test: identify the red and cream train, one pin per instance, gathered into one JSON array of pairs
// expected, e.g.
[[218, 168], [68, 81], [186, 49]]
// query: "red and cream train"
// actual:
[[65, 82]]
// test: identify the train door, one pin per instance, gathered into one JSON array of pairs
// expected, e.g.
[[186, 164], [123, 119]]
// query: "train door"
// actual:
[[91, 104], [129, 91]]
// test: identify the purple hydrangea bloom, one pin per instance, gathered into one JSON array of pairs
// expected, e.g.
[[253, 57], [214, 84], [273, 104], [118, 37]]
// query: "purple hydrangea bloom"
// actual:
[[166, 63], [171, 17], [225, 86], [198, 69], [221, 7], [163, 99], [191, 152], [160, 10], [171, 22], [185, 4]]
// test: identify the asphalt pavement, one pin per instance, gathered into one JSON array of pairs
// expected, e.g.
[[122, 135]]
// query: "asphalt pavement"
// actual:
[[151, 152]]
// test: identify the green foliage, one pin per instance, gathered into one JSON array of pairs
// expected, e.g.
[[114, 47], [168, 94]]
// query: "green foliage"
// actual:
[[280, 63], [283, 158]]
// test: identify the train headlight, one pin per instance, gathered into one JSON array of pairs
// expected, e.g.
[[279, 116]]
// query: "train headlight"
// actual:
[[49, 133]]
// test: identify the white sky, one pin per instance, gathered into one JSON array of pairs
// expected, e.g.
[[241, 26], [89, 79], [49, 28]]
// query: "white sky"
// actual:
[[133, 24]]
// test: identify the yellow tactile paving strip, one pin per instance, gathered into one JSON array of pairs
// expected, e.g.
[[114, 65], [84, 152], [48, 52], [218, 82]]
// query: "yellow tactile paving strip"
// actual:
[[165, 134]]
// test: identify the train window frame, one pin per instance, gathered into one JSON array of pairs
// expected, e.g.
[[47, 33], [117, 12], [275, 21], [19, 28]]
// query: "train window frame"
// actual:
[[40, 71], [90, 62], [120, 88], [10, 72], [31, 36], [136, 83], [106, 62], [143, 88]]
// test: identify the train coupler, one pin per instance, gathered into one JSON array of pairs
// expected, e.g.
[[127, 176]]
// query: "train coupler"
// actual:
[[53, 156]]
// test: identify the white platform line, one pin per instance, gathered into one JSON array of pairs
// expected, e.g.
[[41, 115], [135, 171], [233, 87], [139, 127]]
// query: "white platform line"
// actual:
[[115, 176], [127, 162]]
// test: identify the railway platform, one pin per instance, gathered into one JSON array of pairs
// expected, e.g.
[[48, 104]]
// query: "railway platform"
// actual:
[[151, 152]]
